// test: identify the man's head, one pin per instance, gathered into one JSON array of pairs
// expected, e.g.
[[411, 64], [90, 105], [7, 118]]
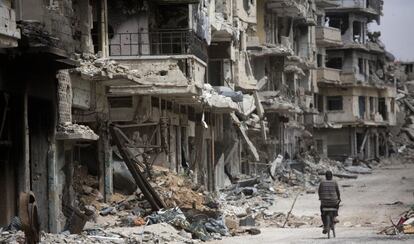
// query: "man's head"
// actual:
[[328, 175]]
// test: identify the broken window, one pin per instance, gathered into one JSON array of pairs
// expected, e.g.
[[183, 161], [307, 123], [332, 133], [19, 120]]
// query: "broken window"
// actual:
[[382, 108], [334, 103], [215, 73], [338, 21], [371, 105], [319, 60], [334, 63], [361, 103], [409, 68], [319, 102], [283, 27], [361, 66], [319, 146], [120, 102], [358, 32]]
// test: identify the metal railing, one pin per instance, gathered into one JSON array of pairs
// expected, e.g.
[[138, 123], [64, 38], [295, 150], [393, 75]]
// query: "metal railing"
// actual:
[[166, 42]]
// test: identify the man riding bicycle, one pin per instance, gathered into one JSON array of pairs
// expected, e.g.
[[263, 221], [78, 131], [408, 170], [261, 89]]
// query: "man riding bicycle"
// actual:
[[329, 196]]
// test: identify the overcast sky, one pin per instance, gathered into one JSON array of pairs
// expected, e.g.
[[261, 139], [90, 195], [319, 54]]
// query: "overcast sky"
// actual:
[[397, 28]]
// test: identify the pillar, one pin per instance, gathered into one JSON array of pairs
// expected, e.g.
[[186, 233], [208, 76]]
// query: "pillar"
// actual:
[[105, 160]]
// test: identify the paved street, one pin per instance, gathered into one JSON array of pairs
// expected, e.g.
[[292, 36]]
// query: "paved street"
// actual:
[[368, 204]]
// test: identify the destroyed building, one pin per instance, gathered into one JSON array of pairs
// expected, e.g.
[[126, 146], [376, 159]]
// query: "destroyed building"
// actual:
[[212, 89], [356, 94]]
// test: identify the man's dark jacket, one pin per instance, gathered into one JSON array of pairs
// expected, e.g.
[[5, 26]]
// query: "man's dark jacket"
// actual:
[[329, 193]]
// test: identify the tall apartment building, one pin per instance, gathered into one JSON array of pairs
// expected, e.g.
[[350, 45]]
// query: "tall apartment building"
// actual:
[[282, 52], [356, 94]]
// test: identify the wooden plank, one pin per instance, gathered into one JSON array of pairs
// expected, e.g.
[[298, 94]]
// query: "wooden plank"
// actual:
[[242, 129], [150, 195], [411, 107]]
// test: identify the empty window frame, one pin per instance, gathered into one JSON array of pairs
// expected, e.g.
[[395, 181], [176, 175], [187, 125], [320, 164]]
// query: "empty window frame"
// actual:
[[371, 104], [216, 72], [362, 108], [334, 103], [382, 108], [334, 63], [120, 102]]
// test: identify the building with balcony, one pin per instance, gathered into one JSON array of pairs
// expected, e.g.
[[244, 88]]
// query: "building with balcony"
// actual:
[[37, 41], [9, 33], [355, 96], [281, 50]]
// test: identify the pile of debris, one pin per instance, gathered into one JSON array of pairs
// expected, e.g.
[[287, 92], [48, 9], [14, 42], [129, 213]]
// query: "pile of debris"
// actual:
[[405, 224], [305, 170], [94, 67], [159, 233], [402, 136], [69, 130], [34, 34], [247, 204], [177, 191], [220, 98]]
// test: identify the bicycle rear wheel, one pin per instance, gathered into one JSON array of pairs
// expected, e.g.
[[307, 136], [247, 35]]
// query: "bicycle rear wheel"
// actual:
[[328, 225]]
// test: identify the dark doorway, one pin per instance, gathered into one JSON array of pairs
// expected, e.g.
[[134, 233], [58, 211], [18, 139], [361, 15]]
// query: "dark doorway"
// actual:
[[40, 127], [361, 107]]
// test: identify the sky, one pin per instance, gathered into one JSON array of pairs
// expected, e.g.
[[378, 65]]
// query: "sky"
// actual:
[[397, 28]]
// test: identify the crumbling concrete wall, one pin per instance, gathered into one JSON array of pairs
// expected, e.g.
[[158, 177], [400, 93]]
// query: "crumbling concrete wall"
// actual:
[[334, 143], [68, 21], [9, 34], [64, 96]]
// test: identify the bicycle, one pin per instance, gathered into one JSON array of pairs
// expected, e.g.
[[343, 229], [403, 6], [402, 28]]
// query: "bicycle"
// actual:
[[329, 214]]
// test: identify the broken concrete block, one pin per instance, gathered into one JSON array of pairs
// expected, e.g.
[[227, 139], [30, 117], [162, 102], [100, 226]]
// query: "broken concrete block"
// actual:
[[408, 229], [358, 170], [253, 231], [247, 221], [231, 223]]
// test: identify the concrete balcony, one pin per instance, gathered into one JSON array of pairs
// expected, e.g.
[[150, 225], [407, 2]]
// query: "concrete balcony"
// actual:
[[157, 43], [9, 34], [328, 36], [292, 8], [328, 76], [373, 7]]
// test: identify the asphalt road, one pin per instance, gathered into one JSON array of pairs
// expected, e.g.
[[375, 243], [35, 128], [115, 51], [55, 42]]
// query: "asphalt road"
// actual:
[[314, 235], [368, 203]]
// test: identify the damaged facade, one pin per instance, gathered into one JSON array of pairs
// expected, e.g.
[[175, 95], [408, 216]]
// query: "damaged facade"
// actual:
[[356, 91], [213, 89]]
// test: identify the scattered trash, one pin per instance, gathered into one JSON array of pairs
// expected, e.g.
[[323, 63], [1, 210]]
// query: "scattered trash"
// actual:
[[405, 223]]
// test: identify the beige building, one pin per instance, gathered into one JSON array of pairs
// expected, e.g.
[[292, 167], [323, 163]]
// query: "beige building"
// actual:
[[356, 95]]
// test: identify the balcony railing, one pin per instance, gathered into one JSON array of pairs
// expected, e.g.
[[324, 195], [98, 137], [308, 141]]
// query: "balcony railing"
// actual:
[[166, 42], [293, 8], [328, 75], [371, 5], [328, 36]]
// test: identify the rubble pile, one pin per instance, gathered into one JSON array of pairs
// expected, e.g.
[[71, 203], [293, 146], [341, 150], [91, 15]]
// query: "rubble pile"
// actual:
[[405, 224], [402, 137], [305, 170], [69, 129], [247, 205], [219, 99], [159, 233], [94, 67], [186, 209], [177, 191], [34, 34]]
